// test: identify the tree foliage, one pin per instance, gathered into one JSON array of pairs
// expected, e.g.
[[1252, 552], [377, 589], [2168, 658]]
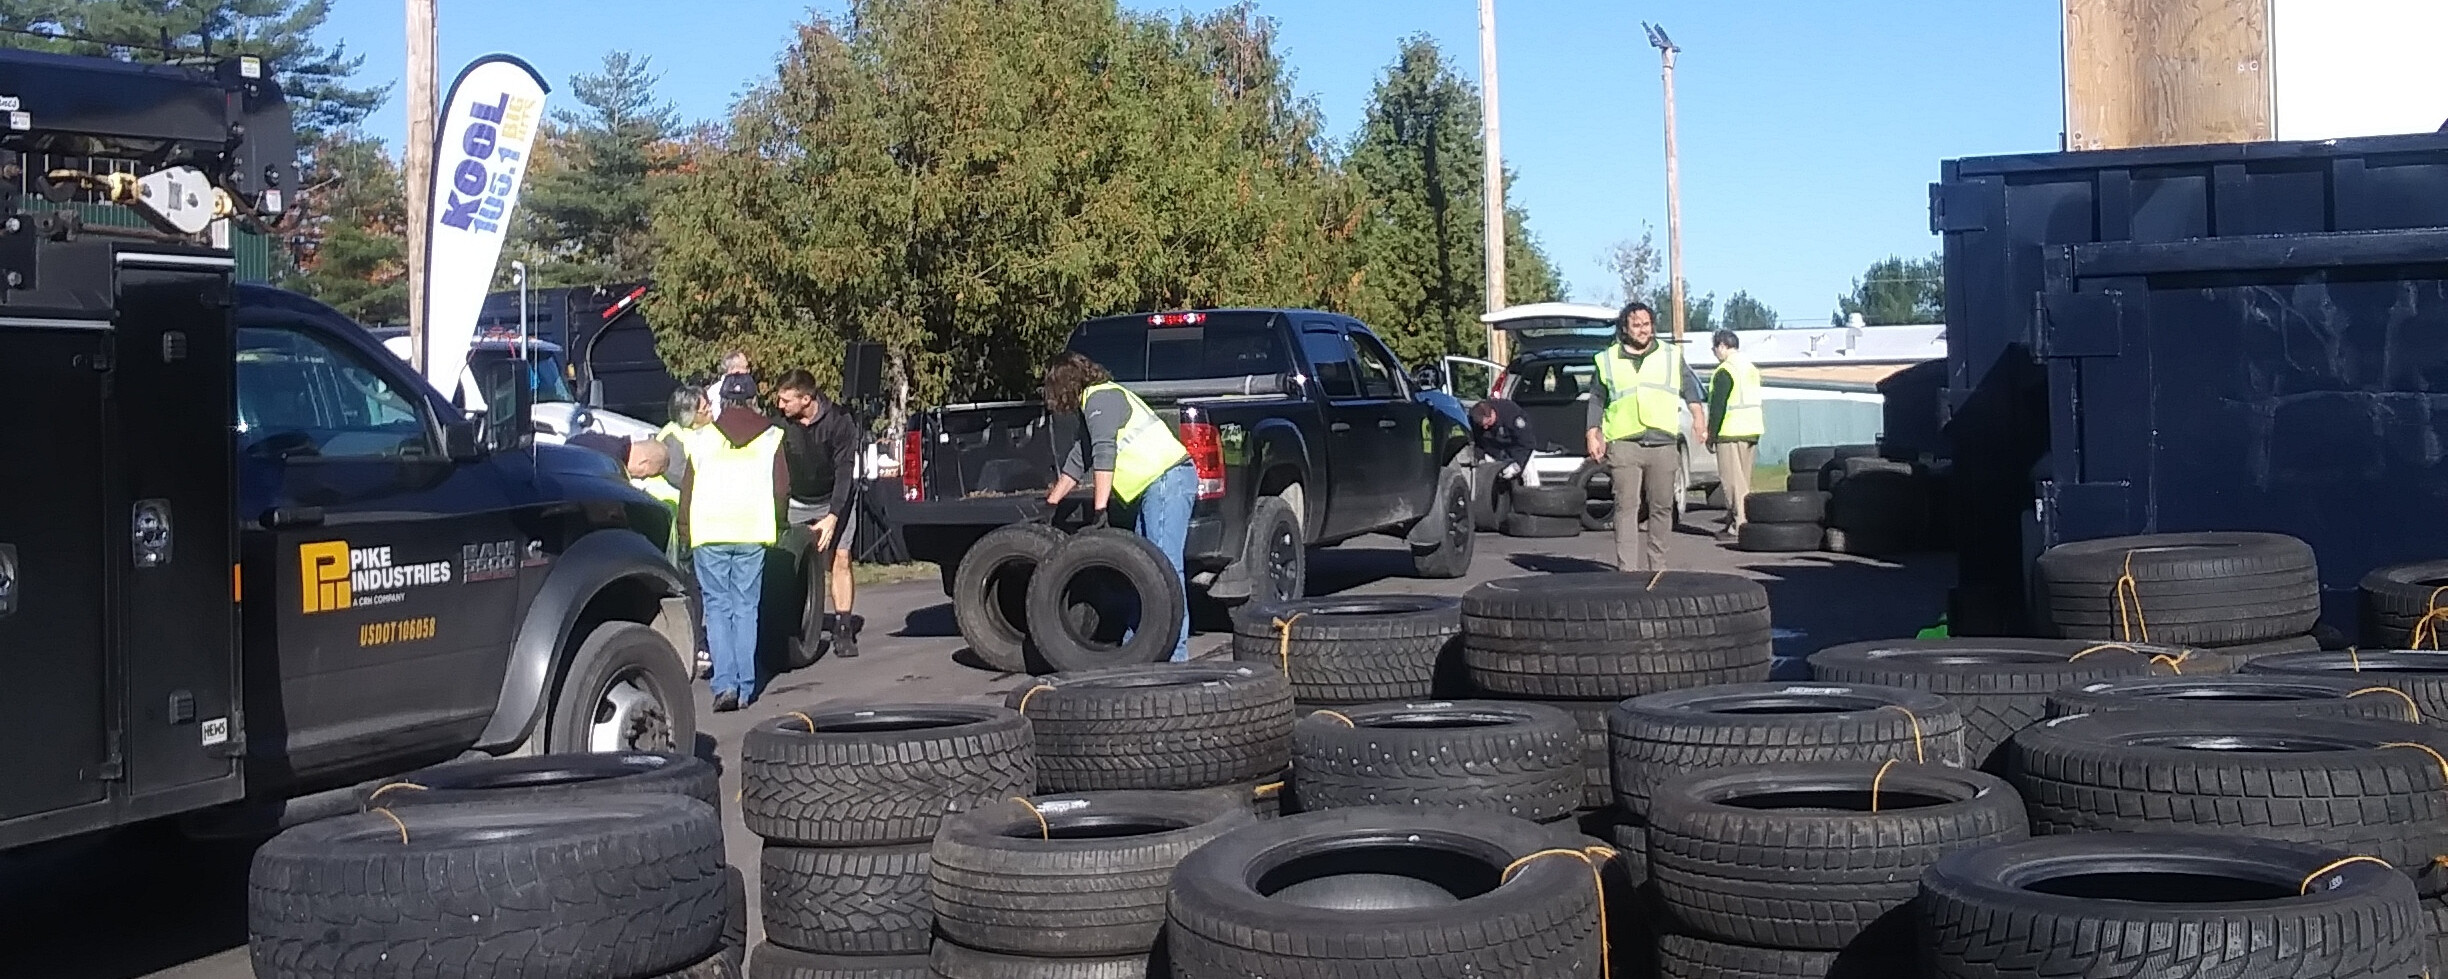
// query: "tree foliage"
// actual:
[[586, 216], [351, 230], [1635, 263], [1699, 311], [1896, 291], [315, 78], [1744, 312]]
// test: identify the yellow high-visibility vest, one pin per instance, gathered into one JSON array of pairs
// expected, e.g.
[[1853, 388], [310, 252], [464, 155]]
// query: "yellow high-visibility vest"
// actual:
[[1641, 397], [731, 489], [1742, 417], [1143, 450]]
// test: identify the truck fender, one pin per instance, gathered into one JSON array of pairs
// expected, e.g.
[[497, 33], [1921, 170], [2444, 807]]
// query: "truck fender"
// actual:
[[1430, 529], [595, 562], [1278, 443]]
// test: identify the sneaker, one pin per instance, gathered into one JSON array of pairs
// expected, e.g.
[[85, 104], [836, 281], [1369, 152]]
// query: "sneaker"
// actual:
[[1728, 536], [726, 702]]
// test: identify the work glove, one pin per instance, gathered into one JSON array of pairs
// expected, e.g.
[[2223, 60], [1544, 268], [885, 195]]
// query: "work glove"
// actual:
[[1100, 521], [1510, 471]]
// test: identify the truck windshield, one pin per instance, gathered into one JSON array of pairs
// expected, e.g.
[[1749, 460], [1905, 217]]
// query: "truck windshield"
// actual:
[[1132, 348]]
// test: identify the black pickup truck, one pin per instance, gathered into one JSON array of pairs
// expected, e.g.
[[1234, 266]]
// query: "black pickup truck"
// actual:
[[1304, 428]]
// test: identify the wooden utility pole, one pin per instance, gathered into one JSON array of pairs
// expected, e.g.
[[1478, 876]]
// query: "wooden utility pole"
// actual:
[[423, 77], [2167, 73], [1494, 219], [1674, 188]]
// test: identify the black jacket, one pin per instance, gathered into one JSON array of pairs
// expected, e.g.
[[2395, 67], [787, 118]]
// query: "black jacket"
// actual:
[[1510, 439], [823, 456]]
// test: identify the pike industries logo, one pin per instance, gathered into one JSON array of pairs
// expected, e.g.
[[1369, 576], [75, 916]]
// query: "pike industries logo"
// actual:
[[336, 576], [480, 193]]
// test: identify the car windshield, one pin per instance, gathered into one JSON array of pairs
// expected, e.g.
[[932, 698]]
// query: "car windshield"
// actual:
[[495, 370]]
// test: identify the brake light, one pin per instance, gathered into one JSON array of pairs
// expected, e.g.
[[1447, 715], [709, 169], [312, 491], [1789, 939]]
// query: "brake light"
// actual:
[[1177, 319], [1207, 455], [913, 446]]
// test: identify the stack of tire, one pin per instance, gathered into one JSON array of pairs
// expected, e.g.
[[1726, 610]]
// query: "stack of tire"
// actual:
[[1558, 509], [1224, 729], [1359, 649], [618, 874], [1998, 686], [848, 800], [1791, 521], [2405, 606], [2238, 595], [2418, 676], [1016, 600], [1876, 507]]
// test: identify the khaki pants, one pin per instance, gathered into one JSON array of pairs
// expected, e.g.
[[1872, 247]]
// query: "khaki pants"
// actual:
[[1644, 477], [1734, 462]]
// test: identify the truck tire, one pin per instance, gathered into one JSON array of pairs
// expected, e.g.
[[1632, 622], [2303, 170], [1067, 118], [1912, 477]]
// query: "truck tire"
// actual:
[[1518, 759], [2233, 696], [847, 900], [879, 776], [623, 690], [1491, 498], [623, 886], [2204, 589], [2354, 785], [1608, 635], [953, 961], [1276, 551], [1451, 558], [1779, 538], [1532, 526], [772, 961], [1565, 499], [1787, 507], [1071, 875], [2165, 905], [1782, 855], [2395, 600], [1076, 615], [1663, 736], [1346, 886], [990, 594], [2421, 674], [1810, 458], [1685, 957], [2001, 685], [549, 778], [1165, 726], [1353, 650]]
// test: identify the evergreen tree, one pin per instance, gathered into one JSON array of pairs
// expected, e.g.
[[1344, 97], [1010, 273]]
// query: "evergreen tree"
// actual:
[[586, 216], [351, 230], [314, 78], [1896, 290]]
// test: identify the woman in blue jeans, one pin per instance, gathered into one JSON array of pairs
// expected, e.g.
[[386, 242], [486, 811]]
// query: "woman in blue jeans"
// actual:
[[1125, 453]]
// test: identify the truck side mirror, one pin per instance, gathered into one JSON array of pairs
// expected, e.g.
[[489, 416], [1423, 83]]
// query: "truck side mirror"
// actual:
[[513, 411], [464, 438], [1428, 378]]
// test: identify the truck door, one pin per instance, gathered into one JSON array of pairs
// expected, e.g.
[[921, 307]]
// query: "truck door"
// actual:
[[1404, 438], [388, 573], [1347, 502]]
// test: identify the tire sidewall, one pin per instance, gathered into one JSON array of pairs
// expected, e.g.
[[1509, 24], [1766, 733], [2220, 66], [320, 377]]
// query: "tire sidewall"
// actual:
[[1001, 643], [1161, 602], [605, 653]]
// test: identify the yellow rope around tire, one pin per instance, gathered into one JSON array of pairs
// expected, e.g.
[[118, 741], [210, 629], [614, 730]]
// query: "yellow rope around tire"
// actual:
[[2428, 750], [1337, 715], [1654, 579], [2104, 646], [1920, 756], [1283, 641], [2428, 625], [395, 821], [2306, 886], [1032, 691], [2130, 591], [1267, 791], [2411, 706], [2354, 658], [1592, 857], [804, 719], [1044, 829], [388, 786], [1878, 780]]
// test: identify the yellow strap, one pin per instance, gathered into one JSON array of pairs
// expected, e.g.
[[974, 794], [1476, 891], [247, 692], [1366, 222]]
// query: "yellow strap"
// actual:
[[1283, 641], [2410, 704], [395, 821], [1920, 755], [1591, 857], [1266, 791], [1347, 722], [2428, 750], [2306, 886], [377, 793], [1032, 691], [2175, 663], [2129, 590], [2428, 625], [804, 719], [1654, 579], [1878, 780], [2105, 645], [2354, 658], [1043, 830]]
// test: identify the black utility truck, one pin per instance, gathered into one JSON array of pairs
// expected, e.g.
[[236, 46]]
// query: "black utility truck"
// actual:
[[248, 559]]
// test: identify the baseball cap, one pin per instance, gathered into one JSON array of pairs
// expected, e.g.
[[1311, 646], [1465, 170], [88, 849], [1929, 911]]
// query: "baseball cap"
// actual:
[[739, 387]]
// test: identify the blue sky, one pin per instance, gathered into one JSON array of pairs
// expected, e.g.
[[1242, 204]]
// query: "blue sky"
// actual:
[[1809, 129]]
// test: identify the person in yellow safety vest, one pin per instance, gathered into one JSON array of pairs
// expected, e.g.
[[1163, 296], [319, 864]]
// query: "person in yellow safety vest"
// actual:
[[1133, 458], [1736, 422], [691, 411], [731, 507], [1636, 404]]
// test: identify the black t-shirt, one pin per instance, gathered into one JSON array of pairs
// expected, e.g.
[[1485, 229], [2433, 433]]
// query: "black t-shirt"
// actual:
[[823, 456]]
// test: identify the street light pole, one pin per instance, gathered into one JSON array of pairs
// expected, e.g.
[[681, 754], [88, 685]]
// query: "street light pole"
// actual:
[[1674, 189], [1493, 220]]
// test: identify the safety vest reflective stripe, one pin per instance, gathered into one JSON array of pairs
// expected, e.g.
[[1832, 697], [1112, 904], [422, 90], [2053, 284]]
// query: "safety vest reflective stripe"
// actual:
[[731, 489], [1143, 449], [1742, 417], [1653, 399]]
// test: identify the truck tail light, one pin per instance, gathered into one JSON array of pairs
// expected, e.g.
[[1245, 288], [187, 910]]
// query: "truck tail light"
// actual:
[[913, 450], [1496, 387], [1207, 455]]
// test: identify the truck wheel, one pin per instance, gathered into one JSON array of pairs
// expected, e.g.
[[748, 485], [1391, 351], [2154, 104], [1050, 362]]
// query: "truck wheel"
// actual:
[[990, 593], [1451, 558], [624, 690], [1080, 602], [1491, 498], [1277, 552]]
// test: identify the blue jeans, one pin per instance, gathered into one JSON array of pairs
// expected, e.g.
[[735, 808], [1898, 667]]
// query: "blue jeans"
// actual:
[[1164, 519], [732, 577]]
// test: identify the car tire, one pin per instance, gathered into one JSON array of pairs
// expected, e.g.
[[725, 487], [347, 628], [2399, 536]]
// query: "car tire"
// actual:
[[2000, 685], [1533, 526], [549, 778], [856, 900], [1786, 507], [1810, 458], [2422, 675], [1597, 771], [1598, 515], [1816, 855], [1191, 725], [1865, 452], [1353, 650], [2203, 589], [2354, 785], [879, 776], [715, 966], [1065, 876], [1779, 538], [1880, 501], [2233, 658], [1566, 499], [953, 961], [2166, 904], [635, 670], [1660, 737], [1347, 887], [1491, 497], [1451, 558], [1068, 628], [1805, 481], [772, 961], [625, 885], [990, 594], [2395, 600], [1685, 957], [2234, 696], [1518, 758], [734, 947], [1609, 635]]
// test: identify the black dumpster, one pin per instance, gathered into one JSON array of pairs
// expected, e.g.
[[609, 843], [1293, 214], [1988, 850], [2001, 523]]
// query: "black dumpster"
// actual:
[[2237, 337]]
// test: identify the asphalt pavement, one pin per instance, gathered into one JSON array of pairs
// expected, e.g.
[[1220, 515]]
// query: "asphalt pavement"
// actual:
[[145, 903]]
